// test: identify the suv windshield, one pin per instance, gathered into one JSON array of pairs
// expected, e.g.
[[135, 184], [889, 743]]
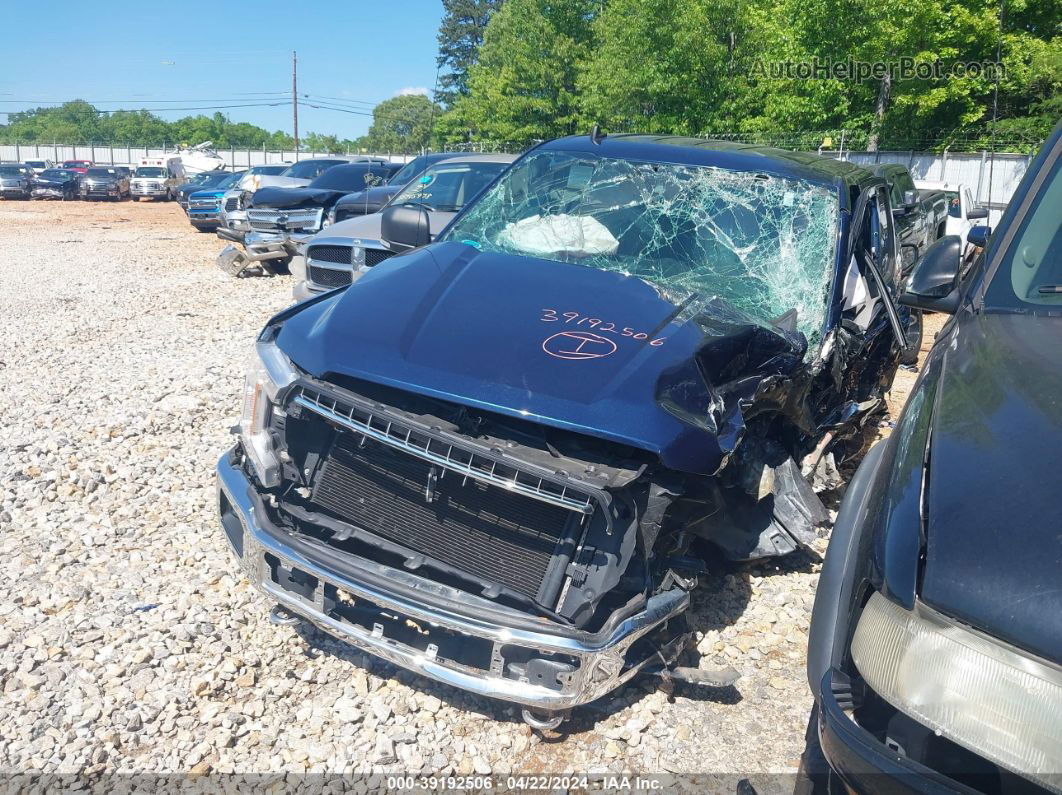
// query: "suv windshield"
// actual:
[[278, 168], [412, 168], [36, 163], [308, 169], [101, 172], [448, 187], [208, 177], [58, 173], [351, 178], [150, 171], [1029, 274], [228, 180], [763, 243]]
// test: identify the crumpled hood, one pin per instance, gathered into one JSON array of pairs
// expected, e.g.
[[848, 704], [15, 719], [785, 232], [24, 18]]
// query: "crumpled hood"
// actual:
[[994, 539], [368, 201], [569, 346], [287, 198]]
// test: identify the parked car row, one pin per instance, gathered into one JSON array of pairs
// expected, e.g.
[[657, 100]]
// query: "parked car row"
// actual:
[[154, 177], [270, 216]]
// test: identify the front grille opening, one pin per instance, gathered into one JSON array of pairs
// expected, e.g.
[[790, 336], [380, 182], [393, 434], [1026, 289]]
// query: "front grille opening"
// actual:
[[329, 277], [374, 256], [504, 538], [371, 501], [339, 255]]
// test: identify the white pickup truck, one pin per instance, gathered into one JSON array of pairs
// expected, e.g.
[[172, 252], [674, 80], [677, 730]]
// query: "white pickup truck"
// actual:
[[963, 213]]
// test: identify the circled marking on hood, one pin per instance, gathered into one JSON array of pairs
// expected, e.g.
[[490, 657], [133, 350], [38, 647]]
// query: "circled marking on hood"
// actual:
[[578, 345]]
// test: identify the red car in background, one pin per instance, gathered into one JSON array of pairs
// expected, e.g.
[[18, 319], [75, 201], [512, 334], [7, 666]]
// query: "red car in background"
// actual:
[[80, 166]]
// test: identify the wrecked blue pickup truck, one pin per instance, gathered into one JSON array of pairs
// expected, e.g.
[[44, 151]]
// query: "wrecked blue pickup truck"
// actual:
[[495, 459]]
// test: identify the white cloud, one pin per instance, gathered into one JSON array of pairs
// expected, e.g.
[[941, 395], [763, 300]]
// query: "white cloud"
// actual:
[[410, 90]]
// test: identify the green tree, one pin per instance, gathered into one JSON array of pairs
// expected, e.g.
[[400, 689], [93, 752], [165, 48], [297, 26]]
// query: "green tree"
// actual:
[[524, 85], [74, 122], [675, 66], [316, 142], [460, 36], [400, 124]]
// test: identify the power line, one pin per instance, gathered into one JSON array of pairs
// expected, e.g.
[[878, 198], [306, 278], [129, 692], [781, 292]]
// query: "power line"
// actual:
[[343, 100]]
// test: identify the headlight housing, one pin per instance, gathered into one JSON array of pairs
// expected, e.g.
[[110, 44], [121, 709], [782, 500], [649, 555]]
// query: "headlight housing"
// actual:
[[270, 371], [998, 702]]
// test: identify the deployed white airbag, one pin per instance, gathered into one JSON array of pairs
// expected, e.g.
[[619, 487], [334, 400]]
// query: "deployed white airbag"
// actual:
[[559, 235]]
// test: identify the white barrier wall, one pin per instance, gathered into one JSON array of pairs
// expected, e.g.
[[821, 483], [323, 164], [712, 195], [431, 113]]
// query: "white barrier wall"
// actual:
[[107, 155], [991, 178]]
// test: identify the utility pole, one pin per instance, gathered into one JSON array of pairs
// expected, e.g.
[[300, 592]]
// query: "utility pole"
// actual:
[[295, 100]]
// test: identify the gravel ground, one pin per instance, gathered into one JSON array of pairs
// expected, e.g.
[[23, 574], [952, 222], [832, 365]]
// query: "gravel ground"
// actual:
[[129, 642]]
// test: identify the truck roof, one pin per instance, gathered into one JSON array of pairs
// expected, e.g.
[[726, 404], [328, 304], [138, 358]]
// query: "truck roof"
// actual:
[[721, 154]]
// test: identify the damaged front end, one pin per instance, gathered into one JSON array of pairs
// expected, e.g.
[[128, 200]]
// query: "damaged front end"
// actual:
[[482, 561], [513, 499]]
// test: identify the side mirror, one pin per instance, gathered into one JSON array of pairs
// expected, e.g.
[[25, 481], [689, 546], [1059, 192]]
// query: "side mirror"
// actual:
[[405, 227], [934, 282], [978, 236], [910, 198], [977, 214]]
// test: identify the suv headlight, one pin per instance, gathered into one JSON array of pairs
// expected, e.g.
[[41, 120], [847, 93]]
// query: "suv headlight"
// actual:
[[270, 371], [998, 702]]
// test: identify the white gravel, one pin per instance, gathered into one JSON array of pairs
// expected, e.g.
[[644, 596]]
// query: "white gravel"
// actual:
[[128, 640]]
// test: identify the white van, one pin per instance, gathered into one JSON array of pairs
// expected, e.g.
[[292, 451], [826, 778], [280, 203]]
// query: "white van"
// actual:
[[157, 178]]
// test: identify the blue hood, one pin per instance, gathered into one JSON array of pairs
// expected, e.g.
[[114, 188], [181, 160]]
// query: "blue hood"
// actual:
[[207, 194], [490, 330]]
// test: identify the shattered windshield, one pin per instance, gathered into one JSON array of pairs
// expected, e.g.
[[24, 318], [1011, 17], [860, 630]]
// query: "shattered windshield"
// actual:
[[761, 242]]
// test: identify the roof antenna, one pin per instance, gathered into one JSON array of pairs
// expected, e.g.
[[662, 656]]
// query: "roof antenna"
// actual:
[[596, 135]]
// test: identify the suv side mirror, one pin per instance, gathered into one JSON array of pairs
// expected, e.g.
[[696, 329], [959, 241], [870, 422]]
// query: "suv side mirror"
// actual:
[[978, 236], [405, 227], [977, 214], [934, 281], [910, 198]]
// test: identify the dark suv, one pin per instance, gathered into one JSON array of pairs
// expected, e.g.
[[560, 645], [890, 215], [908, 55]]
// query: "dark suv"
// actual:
[[935, 651]]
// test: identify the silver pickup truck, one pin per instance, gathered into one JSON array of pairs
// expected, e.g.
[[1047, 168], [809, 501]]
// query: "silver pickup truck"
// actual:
[[279, 219]]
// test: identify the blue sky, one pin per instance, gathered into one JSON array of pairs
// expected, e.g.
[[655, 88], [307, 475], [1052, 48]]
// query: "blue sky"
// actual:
[[220, 53]]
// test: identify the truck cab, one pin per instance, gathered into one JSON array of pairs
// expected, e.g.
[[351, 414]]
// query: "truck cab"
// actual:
[[921, 215]]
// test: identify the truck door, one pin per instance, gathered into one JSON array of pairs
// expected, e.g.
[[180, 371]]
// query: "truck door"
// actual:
[[870, 311]]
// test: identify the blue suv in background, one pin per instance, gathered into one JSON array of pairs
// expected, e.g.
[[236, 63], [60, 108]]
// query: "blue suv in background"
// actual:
[[204, 206]]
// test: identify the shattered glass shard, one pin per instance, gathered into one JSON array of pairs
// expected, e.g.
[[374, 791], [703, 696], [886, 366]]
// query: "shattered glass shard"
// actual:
[[763, 243]]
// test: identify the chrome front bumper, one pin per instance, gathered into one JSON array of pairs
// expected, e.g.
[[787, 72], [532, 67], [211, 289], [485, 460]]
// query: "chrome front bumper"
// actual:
[[603, 661]]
